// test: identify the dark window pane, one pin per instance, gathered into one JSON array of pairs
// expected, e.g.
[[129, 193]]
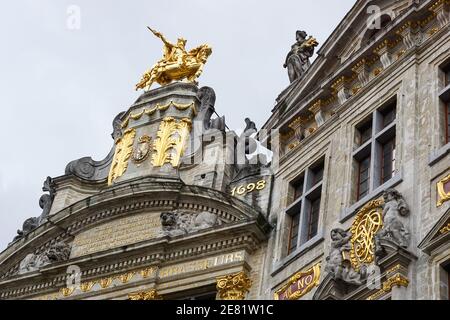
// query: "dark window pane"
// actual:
[[318, 174], [363, 177], [293, 234], [365, 133], [388, 115], [313, 219], [298, 188], [387, 160]]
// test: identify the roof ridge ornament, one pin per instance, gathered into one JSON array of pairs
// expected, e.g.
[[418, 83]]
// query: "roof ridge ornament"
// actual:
[[176, 63]]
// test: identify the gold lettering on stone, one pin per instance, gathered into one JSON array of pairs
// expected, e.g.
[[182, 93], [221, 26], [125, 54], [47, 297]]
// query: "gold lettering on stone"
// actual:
[[200, 265], [117, 233]]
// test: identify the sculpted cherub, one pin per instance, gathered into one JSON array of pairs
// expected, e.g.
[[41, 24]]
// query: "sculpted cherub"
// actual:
[[337, 265], [394, 208]]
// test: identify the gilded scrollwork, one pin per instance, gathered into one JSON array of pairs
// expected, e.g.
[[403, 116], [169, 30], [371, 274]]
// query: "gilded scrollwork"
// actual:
[[171, 141], [443, 194], [182, 133], [164, 142], [299, 284], [159, 107], [124, 149], [145, 295], [234, 286], [367, 223]]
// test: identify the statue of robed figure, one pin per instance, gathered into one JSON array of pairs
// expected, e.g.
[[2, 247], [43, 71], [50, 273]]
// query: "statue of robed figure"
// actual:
[[297, 60]]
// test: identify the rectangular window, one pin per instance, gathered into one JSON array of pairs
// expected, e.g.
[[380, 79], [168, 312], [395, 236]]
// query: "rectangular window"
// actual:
[[303, 214], [363, 177], [293, 233], [313, 219], [445, 99], [374, 162], [387, 161]]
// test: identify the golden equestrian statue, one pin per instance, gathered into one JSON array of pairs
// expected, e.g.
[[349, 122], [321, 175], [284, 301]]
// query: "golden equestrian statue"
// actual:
[[176, 63]]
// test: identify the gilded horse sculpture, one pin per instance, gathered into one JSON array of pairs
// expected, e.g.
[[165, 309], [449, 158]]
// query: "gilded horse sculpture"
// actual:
[[176, 63]]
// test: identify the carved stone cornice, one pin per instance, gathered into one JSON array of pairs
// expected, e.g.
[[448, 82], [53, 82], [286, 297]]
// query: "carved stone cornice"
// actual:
[[441, 10], [234, 286]]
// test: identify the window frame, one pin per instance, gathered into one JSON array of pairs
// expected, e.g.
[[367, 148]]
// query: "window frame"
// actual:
[[312, 191], [382, 133]]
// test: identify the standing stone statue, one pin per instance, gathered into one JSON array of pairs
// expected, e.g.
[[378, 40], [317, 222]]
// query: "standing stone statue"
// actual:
[[337, 264], [394, 209], [297, 60]]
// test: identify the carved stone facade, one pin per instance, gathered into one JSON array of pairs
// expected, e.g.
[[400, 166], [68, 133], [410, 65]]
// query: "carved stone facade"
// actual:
[[354, 203]]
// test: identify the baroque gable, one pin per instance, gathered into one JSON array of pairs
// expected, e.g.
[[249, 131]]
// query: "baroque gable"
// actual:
[[352, 60]]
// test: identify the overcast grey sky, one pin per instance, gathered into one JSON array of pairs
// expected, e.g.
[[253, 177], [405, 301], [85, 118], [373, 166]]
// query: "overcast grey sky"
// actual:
[[60, 89]]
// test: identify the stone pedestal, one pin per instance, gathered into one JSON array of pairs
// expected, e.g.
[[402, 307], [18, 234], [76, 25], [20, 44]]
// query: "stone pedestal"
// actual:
[[155, 132]]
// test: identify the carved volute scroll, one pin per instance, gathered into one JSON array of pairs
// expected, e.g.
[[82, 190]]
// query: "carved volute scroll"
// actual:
[[234, 286]]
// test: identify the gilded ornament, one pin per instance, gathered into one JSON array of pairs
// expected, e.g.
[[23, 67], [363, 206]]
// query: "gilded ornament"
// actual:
[[105, 282], [432, 31], [445, 229], [176, 63], [396, 280], [367, 223], [171, 140], [377, 71], [126, 277], [355, 90], [66, 292], [443, 195], [165, 142], [145, 295], [145, 273], [299, 284], [87, 286], [142, 149], [182, 132], [124, 149], [233, 287], [158, 107]]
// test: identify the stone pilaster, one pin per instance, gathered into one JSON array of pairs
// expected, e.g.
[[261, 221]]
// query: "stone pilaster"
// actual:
[[234, 286]]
